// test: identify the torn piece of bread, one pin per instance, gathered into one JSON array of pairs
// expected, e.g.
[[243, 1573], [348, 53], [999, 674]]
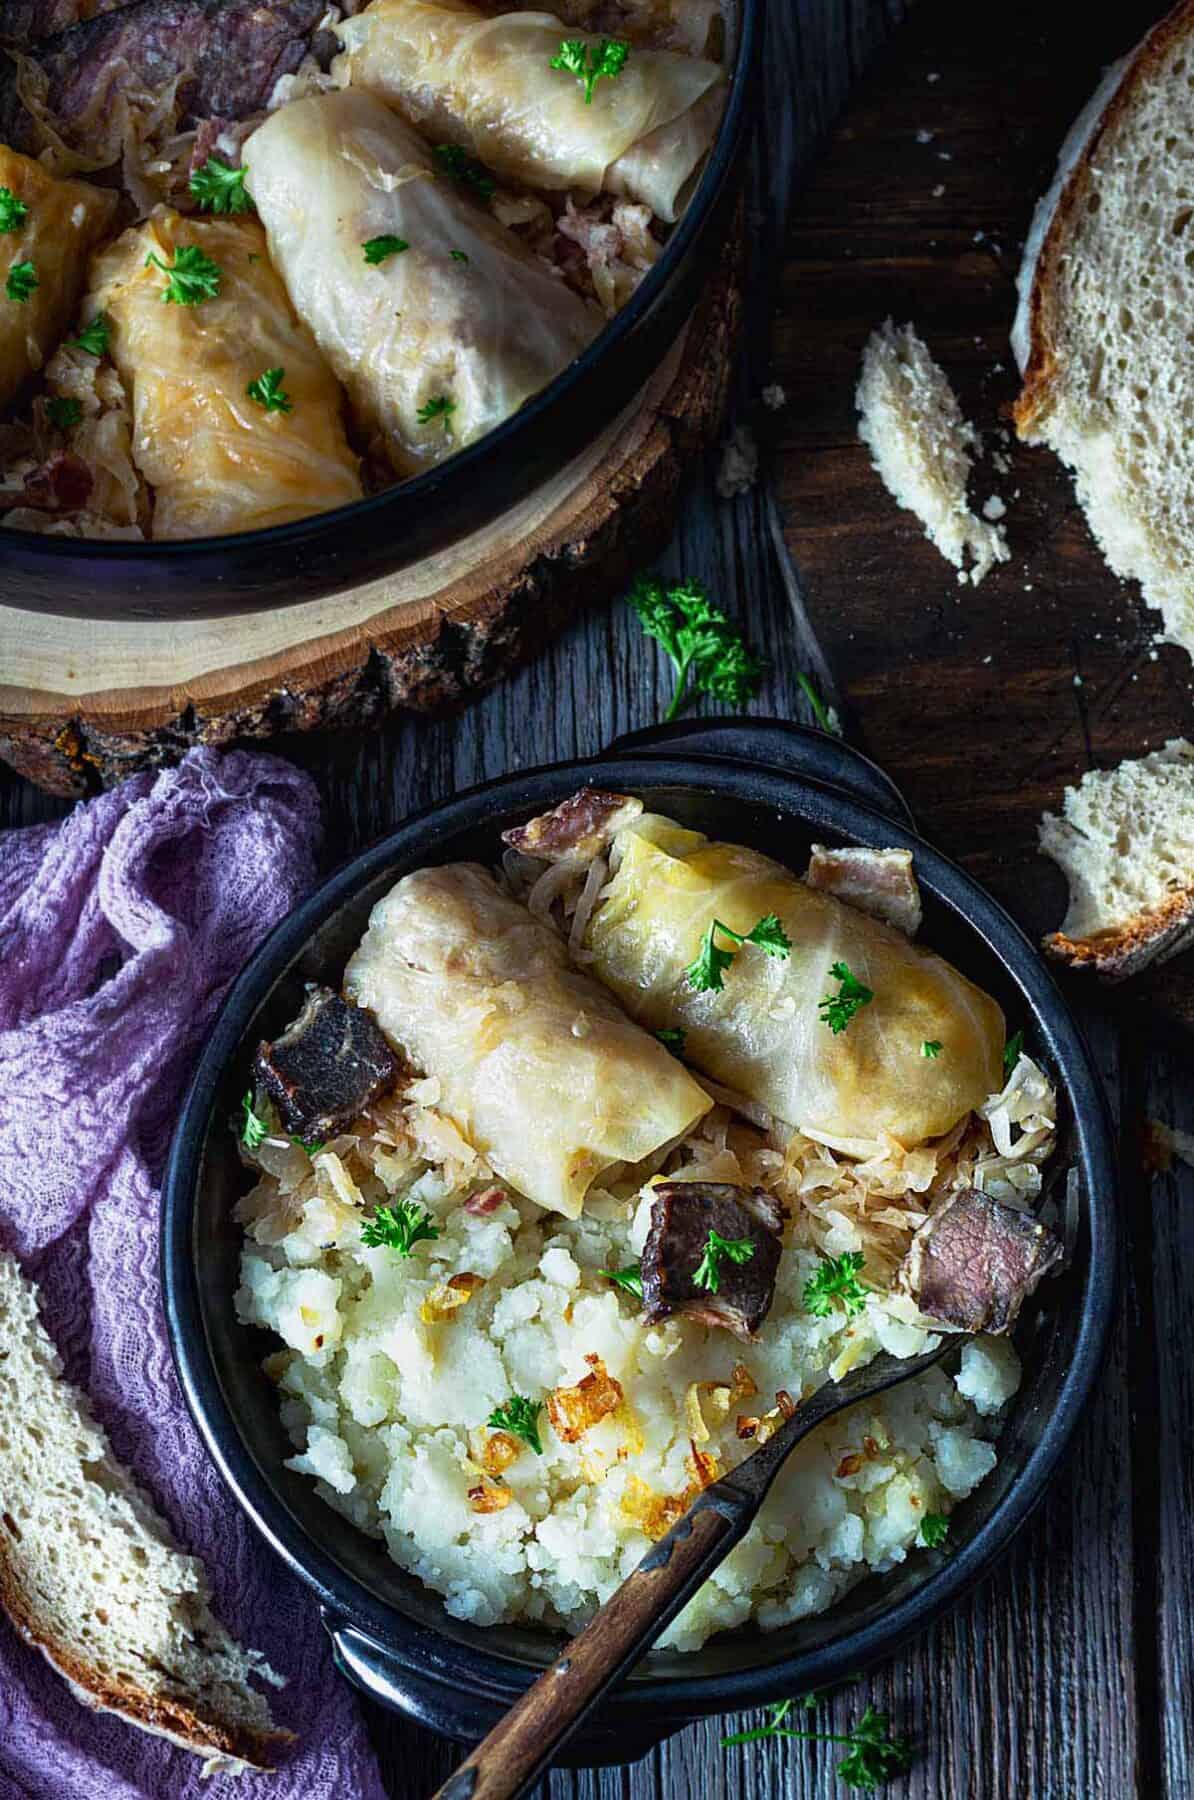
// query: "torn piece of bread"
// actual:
[[911, 423], [1102, 331], [90, 1575], [1126, 845]]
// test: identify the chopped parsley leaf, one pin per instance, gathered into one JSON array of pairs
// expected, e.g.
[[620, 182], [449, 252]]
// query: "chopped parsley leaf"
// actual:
[[94, 337], [379, 249], [707, 971], [673, 1038], [254, 1129], [708, 1271], [311, 1145], [934, 1529], [458, 256], [1012, 1052], [63, 412], [836, 1279], [590, 62], [399, 1227], [191, 278], [709, 652], [466, 169], [630, 1278], [219, 188], [932, 1048], [824, 715], [268, 392], [520, 1416], [22, 279], [440, 407], [13, 212], [838, 1009]]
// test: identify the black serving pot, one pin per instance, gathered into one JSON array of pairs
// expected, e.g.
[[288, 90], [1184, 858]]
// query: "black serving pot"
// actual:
[[254, 570], [778, 787]]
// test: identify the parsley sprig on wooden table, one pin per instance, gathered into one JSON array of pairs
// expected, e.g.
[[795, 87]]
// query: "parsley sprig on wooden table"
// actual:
[[709, 652], [873, 1755], [399, 1227], [590, 62], [707, 972], [521, 1417], [707, 1274]]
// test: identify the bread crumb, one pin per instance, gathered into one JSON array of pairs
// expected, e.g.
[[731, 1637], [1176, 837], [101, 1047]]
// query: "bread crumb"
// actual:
[[938, 190], [994, 508], [774, 397], [925, 137], [923, 448]]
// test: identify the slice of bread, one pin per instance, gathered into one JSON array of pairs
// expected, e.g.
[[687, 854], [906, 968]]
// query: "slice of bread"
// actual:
[[1102, 334], [90, 1575], [1126, 845], [922, 447]]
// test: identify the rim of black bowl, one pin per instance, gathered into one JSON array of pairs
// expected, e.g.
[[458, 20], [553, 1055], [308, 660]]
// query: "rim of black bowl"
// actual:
[[450, 1660], [465, 469]]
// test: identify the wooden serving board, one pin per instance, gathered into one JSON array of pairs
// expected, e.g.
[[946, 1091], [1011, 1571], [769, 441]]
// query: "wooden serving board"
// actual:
[[84, 703], [983, 703]]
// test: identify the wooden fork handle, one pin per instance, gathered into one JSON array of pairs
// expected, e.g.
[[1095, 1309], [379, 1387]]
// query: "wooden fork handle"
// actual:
[[522, 1743]]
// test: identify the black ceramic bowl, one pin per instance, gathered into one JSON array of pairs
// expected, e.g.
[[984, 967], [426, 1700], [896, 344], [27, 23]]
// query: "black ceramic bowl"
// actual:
[[254, 570], [777, 787]]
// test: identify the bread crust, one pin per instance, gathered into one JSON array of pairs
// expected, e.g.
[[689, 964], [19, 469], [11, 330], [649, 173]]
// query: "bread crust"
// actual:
[[160, 1715], [1042, 369], [1148, 938]]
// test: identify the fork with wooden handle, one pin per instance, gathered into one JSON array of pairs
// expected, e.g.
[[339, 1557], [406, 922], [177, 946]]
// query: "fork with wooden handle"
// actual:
[[522, 1744]]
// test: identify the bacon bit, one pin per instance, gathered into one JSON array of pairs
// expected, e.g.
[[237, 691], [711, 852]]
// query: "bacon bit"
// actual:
[[653, 1513], [489, 1496], [448, 1297], [572, 1410], [747, 1427], [849, 1464], [785, 1402], [871, 1448], [499, 1452], [703, 1469], [482, 1204], [61, 484], [742, 1383]]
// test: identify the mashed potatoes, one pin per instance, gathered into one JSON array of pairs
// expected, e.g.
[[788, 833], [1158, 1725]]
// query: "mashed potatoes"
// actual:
[[394, 1364]]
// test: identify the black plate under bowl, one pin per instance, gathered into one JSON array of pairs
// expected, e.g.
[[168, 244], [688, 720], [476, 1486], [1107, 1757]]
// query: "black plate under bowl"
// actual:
[[252, 571], [391, 1634]]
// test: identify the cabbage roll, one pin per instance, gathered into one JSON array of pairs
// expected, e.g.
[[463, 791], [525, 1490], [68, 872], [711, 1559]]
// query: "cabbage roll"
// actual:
[[537, 1065], [488, 83], [436, 319], [50, 228], [218, 459], [764, 1034]]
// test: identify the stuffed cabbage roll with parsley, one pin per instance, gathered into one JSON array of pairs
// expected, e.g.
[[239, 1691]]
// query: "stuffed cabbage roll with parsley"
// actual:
[[614, 118], [436, 319], [828, 1018], [536, 1063], [237, 419], [47, 230]]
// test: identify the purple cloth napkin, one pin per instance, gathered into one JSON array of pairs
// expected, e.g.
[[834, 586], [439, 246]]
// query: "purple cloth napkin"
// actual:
[[120, 931]]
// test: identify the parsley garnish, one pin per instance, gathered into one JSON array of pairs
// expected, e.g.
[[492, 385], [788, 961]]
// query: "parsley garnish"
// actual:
[[13, 212], [1012, 1052], [934, 1529], [399, 1227], [440, 407], [22, 279], [63, 412], [589, 64], [708, 651], [379, 248], [94, 337], [706, 973], [311, 1145], [192, 277], [458, 256], [821, 712], [268, 392], [219, 188], [836, 1279], [708, 1272], [874, 1755], [630, 1278], [466, 169], [521, 1416], [932, 1048], [253, 1128], [673, 1038], [838, 1009]]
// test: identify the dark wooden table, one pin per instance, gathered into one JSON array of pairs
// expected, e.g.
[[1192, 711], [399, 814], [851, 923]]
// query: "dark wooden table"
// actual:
[[1068, 1675]]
